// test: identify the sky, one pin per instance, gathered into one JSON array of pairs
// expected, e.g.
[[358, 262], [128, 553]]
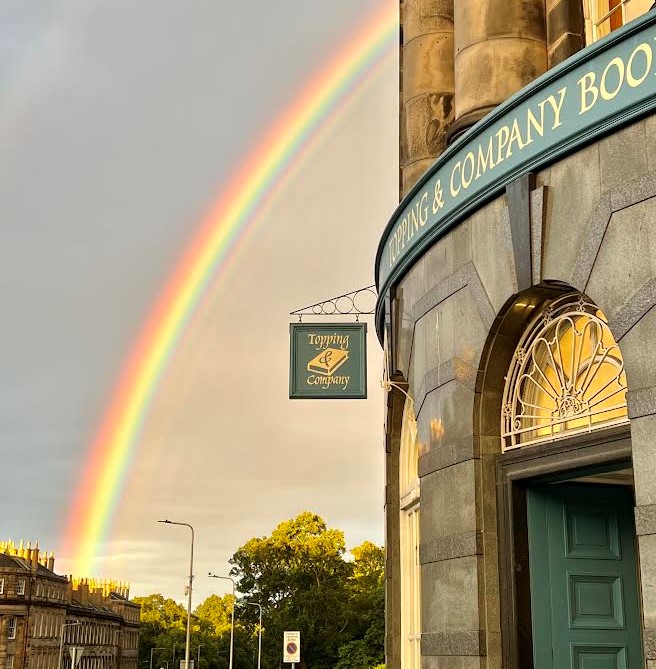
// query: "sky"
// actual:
[[120, 123]]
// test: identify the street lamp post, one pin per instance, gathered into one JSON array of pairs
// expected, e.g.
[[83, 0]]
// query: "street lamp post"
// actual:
[[175, 643], [61, 640], [191, 580], [151, 654], [232, 624], [259, 637], [200, 645]]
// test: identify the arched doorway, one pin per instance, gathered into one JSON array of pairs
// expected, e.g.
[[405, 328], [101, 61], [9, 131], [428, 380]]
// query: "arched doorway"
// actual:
[[567, 558]]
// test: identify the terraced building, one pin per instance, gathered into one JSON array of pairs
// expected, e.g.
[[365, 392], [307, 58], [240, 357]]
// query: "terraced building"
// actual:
[[44, 615]]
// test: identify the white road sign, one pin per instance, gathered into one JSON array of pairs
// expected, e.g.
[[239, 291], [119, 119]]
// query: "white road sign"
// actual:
[[76, 654], [291, 648]]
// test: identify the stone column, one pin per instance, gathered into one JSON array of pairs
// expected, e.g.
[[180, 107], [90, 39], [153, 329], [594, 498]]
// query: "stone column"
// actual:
[[565, 29], [501, 46], [427, 85]]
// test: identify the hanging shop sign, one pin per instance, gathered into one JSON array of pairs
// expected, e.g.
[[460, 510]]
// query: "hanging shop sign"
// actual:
[[328, 361], [595, 91]]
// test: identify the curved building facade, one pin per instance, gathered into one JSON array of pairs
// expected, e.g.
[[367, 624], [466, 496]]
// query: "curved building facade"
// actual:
[[517, 312]]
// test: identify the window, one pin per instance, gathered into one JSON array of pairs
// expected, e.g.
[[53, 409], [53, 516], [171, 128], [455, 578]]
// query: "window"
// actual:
[[20, 586], [604, 16], [10, 662], [11, 628], [566, 376], [409, 527], [2, 586]]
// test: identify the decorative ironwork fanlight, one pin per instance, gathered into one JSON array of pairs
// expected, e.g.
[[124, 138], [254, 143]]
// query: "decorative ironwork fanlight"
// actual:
[[566, 376]]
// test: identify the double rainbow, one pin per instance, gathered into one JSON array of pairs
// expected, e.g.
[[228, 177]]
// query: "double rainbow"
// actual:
[[234, 214]]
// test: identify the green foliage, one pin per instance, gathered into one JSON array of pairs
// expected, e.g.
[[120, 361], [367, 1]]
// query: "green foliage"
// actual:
[[214, 614], [301, 577], [157, 611], [305, 581], [357, 655], [366, 609], [163, 624]]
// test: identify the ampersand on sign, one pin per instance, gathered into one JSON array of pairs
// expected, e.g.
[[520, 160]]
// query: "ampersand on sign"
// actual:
[[438, 199], [325, 359]]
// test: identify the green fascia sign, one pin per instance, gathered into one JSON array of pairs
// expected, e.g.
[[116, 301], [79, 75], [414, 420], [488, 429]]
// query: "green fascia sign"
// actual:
[[328, 361], [592, 93]]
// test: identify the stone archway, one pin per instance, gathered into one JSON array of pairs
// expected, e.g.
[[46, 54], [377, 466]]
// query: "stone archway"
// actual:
[[551, 393]]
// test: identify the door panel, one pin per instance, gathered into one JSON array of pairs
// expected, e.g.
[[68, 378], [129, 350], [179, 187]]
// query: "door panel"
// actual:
[[592, 533], [599, 657], [595, 602], [584, 594]]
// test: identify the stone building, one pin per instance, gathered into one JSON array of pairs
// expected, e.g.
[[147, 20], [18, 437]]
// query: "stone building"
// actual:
[[43, 614], [517, 312]]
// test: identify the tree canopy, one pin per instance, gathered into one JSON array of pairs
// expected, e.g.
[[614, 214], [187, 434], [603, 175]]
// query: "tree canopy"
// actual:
[[305, 580]]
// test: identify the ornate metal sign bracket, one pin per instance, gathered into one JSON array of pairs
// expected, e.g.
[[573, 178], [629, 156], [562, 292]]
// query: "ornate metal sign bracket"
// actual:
[[387, 384], [360, 302]]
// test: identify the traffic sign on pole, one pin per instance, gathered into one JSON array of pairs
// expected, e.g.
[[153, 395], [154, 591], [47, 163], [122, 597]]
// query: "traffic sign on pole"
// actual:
[[291, 647], [76, 655]]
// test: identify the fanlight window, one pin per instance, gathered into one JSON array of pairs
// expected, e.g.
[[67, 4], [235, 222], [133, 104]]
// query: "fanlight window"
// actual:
[[567, 376]]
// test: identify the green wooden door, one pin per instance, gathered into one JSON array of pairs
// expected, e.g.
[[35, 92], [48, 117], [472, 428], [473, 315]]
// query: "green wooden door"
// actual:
[[584, 592]]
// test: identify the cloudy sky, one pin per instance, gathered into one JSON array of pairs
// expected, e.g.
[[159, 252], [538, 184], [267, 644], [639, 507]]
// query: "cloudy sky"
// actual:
[[120, 122]]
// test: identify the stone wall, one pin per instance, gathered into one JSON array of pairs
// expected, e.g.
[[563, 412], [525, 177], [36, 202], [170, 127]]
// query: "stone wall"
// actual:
[[592, 227]]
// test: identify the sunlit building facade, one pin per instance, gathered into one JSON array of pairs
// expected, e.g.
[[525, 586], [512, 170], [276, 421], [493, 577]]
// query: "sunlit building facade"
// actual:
[[43, 614], [517, 312]]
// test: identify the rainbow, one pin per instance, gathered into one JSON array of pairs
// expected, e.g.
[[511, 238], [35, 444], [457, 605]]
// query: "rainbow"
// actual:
[[233, 216]]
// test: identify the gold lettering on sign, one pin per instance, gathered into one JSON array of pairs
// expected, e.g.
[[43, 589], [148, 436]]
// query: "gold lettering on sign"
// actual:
[[324, 341], [509, 139], [410, 224], [613, 77], [485, 162], [423, 218], [605, 93], [468, 170], [452, 188], [509, 136], [438, 197], [515, 136], [532, 123], [557, 106], [326, 381], [503, 135], [632, 79], [333, 354], [588, 88]]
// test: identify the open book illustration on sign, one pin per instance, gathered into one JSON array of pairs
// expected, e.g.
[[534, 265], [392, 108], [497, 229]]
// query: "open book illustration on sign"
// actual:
[[328, 361]]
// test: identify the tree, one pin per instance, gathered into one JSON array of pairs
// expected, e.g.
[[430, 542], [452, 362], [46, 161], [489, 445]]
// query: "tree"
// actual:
[[164, 627], [366, 609], [161, 612], [300, 577], [215, 614], [163, 623]]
